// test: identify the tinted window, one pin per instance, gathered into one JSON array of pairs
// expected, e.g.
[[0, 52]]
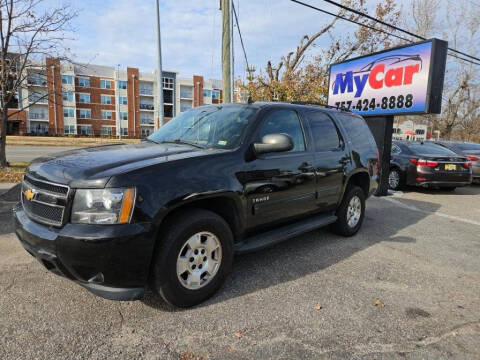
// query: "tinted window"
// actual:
[[467, 146], [358, 132], [286, 122], [325, 133], [429, 149]]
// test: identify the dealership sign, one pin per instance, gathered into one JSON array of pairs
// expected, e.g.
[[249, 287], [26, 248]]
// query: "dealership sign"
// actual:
[[403, 80]]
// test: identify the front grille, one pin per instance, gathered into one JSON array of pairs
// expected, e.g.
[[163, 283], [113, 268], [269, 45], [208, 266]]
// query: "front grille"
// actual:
[[47, 186], [48, 203]]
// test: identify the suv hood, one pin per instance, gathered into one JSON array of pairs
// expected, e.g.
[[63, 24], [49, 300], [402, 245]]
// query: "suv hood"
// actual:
[[93, 166]]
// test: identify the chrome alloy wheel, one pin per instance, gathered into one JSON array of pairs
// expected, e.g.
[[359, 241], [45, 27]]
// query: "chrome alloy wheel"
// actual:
[[394, 179], [354, 211], [199, 260]]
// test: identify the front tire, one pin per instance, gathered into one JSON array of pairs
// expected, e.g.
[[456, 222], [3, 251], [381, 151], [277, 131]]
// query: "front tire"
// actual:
[[193, 258], [350, 213]]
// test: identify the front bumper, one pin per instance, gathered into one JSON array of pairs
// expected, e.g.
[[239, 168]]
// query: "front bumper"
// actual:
[[110, 261]]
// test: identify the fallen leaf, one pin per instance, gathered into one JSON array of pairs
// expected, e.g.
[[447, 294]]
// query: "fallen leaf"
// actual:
[[238, 334], [318, 307], [378, 303]]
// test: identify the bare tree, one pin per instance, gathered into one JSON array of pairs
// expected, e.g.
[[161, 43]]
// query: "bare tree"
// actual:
[[303, 76], [30, 30]]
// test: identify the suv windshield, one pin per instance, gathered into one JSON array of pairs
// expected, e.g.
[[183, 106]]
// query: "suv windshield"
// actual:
[[219, 127]]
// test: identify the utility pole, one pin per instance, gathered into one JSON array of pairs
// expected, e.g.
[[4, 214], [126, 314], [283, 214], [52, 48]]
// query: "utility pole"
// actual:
[[159, 123], [227, 50]]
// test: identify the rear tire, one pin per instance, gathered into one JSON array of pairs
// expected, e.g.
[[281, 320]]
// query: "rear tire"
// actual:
[[396, 180], [200, 235], [350, 213]]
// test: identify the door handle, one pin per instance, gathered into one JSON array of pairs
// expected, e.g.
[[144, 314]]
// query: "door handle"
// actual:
[[305, 167]]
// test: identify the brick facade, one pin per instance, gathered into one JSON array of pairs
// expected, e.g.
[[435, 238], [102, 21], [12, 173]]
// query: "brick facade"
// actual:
[[54, 91]]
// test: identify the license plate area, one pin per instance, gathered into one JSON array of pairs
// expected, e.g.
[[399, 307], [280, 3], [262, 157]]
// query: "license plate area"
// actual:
[[450, 167]]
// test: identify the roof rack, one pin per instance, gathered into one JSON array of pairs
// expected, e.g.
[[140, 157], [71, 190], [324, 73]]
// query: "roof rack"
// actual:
[[319, 104]]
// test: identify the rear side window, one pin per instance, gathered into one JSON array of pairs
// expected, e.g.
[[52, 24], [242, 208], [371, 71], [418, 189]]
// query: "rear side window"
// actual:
[[325, 134], [358, 132], [286, 122], [429, 149]]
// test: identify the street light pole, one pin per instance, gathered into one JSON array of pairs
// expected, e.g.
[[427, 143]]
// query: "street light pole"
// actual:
[[159, 68]]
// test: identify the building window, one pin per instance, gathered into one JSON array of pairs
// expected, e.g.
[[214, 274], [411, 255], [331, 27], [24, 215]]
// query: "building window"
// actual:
[[67, 96], [216, 95], [85, 129], [122, 100], [83, 82], [168, 96], [84, 98], [122, 84], [207, 93], [106, 99], [146, 90], [123, 115], [168, 111], [145, 132], [68, 112], [85, 114], [167, 83], [67, 79], [106, 115], [69, 129], [186, 92], [107, 130], [105, 84], [124, 131], [145, 120]]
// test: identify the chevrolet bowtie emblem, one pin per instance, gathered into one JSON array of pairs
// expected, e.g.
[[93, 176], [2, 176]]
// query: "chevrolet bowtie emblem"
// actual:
[[29, 194]]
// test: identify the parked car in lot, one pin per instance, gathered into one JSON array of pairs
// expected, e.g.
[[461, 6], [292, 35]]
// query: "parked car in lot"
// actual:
[[429, 165], [469, 150], [171, 211]]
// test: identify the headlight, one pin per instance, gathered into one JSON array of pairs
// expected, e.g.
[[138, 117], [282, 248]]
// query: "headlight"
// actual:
[[103, 206]]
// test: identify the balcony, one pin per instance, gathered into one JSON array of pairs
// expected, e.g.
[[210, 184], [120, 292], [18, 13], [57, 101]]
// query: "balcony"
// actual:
[[36, 82], [146, 91], [38, 116], [147, 121], [38, 99], [146, 107]]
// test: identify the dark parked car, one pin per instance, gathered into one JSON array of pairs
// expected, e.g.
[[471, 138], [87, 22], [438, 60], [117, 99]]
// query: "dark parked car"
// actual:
[[469, 150], [427, 164], [171, 211]]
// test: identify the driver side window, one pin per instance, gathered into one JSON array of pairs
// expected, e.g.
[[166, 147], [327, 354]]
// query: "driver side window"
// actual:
[[286, 122]]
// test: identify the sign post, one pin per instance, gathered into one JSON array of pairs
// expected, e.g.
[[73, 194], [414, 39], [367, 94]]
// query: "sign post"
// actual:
[[405, 80]]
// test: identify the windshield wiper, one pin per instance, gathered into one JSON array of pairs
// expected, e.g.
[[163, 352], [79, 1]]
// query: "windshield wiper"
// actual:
[[180, 141]]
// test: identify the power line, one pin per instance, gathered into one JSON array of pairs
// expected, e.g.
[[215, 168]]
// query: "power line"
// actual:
[[392, 26], [240, 34], [370, 27]]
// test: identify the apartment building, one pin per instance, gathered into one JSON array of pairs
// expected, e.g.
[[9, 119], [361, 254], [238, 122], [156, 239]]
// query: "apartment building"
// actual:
[[87, 99], [91, 100]]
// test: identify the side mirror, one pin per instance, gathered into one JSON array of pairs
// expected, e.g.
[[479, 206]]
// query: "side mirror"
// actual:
[[274, 143]]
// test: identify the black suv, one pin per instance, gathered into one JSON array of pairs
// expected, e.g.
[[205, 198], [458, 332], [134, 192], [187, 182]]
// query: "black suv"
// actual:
[[172, 210]]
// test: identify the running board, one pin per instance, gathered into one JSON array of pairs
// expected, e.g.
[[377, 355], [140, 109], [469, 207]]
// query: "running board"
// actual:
[[283, 233]]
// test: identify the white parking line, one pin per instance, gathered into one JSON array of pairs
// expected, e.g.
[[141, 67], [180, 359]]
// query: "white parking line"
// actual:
[[414, 208]]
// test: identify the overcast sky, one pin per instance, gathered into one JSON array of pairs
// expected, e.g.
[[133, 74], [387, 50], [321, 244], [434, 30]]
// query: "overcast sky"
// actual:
[[111, 32]]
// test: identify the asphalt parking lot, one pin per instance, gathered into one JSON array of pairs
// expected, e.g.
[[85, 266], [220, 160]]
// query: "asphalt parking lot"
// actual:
[[406, 287]]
